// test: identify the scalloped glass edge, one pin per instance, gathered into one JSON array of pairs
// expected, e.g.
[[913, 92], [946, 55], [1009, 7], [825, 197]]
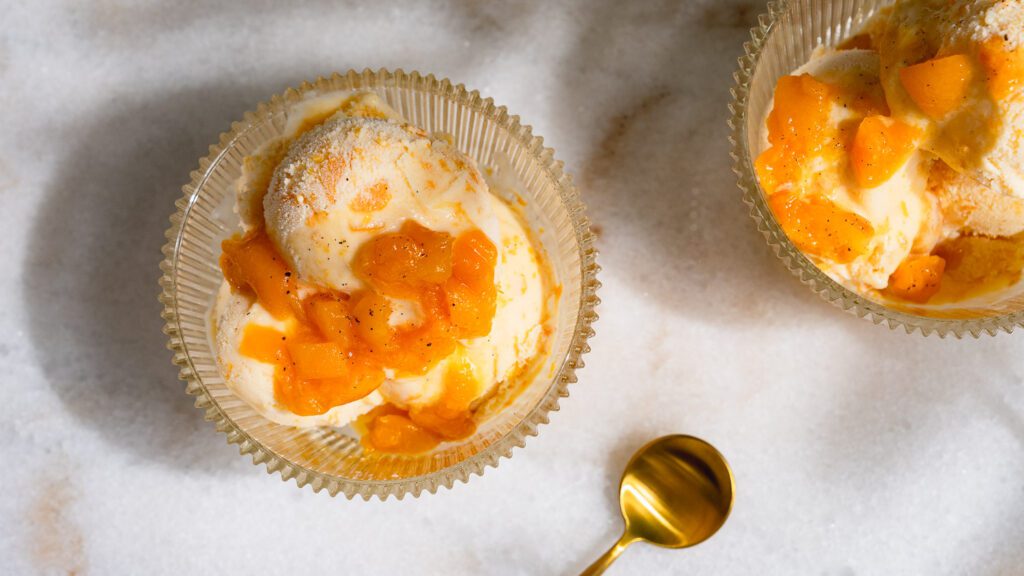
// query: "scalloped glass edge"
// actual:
[[492, 454], [797, 263]]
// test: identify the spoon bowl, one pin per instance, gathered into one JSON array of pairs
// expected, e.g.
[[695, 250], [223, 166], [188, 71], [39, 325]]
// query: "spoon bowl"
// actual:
[[676, 492]]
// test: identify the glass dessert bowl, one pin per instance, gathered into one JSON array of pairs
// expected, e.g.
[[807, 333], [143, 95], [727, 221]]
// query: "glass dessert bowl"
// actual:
[[498, 257], [846, 128]]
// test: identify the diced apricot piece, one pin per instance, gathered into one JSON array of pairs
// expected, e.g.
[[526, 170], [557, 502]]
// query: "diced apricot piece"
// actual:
[[434, 304], [800, 114], [295, 395], [820, 228], [938, 86], [775, 167], [797, 129], [471, 292], [372, 313], [1004, 69], [400, 263], [361, 379], [471, 309], [263, 343], [388, 263], [395, 433], [474, 257], [313, 397], [317, 360], [880, 148], [450, 416], [454, 427], [252, 262], [917, 279], [290, 392], [434, 263], [418, 350], [332, 318]]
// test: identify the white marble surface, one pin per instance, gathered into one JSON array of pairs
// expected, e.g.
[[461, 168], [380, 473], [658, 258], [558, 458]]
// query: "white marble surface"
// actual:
[[856, 450]]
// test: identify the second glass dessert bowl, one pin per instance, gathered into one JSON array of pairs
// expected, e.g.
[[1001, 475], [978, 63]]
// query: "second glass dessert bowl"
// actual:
[[332, 457], [785, 41]]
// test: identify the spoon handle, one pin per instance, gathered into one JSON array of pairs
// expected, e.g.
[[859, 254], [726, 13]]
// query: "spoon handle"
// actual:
[[606, 559]]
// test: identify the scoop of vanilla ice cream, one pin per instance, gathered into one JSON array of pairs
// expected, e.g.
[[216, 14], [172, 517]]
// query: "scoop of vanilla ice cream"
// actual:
[[252, 380], [984, 138], [353, 178], [904, 216], [258, 168]]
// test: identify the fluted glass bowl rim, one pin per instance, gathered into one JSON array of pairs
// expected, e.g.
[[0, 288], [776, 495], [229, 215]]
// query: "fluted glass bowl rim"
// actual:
[[491, 455], [797, 263]]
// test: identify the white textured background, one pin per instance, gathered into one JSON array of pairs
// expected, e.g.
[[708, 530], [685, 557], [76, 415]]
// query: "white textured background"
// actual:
[[856, 450]]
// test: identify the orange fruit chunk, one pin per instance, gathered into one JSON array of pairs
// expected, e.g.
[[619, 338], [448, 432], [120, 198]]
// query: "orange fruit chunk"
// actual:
[[473, 258], [454, 427], [471, 293], [252, 263], [362, 379], [372, 313], [472, 311], [775, 167], [938, 86], [880, 148], [313, 397], [450, 416], [917, 279], [802, 107], [1004, 69], [399, 264], [263, 343], [397, 434], [318, 360], [820, 228], [332, 318], [797, 129], [434, 262], [418, 350]]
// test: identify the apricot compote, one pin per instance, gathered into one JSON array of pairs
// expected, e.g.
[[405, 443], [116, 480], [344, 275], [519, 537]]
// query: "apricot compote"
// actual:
[[800, 131], [337, 346]]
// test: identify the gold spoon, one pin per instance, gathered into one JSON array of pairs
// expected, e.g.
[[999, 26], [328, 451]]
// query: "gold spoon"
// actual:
[[676, 492]]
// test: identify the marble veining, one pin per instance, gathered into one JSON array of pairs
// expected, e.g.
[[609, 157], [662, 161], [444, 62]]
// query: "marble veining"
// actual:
[[856, 450]]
